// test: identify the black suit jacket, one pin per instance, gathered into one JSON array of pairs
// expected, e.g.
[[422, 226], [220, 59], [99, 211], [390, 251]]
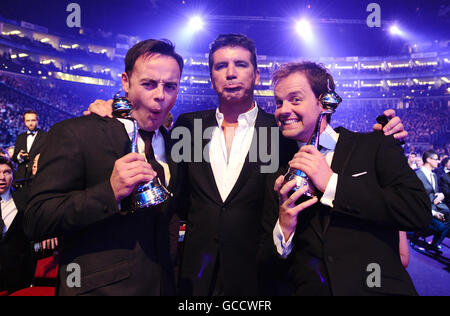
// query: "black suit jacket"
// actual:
[[444, 185], [333, 247], [224, 233], [16, 265], [24, 168], [72, 198]]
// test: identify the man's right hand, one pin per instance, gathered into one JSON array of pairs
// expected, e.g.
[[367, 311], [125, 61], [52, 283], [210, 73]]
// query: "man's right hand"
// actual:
[[100, 107], [439, 197], [130, 171], [23, 155], [439, 216]]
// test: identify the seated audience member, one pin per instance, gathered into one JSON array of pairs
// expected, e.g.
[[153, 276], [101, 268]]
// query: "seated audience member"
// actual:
[[439, 209], [412, 160], [444, 179], [16, 268]]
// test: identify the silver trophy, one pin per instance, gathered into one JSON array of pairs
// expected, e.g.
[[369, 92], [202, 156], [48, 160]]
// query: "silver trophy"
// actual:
[[329, 100], [153, 192]]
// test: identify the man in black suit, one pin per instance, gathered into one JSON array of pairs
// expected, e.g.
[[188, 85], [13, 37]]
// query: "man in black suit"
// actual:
[[348, 243], [444, 179], [225, 192], [15, 249], [86, 174], [439, 209], [28, 145]]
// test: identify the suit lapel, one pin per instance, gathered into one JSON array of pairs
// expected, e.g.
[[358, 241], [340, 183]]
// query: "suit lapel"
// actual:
[[172, 165], [344, 150], [36, 141], [117, 136]]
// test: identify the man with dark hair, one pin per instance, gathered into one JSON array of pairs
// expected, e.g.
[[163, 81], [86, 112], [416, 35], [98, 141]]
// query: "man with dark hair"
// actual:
[[223, 212], [86, 172], [365, 193], [439, 209], [221, 199], [15, 249], [27, 146]]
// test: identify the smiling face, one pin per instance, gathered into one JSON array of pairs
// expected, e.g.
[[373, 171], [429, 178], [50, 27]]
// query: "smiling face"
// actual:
[[6, 178], [152, 88], [297, 107], [233, 75]]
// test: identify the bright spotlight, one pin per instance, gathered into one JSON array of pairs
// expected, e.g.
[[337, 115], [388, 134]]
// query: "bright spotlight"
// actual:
[[196, 24], [303, 28], [394, 30]]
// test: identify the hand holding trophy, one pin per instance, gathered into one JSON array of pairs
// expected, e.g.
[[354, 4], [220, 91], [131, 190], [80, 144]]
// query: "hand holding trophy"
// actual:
[[329, 100], [153, 192]]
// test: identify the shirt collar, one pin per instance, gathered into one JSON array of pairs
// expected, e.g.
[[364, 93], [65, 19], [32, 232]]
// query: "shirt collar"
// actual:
[[6, 196], [129, 127], [426, 171], [244, 119], [328, 139]]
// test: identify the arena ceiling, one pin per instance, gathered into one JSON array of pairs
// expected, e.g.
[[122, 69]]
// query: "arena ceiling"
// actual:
[[339, 27]]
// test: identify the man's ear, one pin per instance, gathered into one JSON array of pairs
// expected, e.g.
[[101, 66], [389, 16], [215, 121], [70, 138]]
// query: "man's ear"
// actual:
[[125, 82]]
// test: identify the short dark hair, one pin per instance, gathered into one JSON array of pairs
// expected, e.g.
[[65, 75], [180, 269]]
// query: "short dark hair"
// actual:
[[7, 161], [444, 161], [428, 154], [316, 74], [30, 112], [233, 40], [148, 47]]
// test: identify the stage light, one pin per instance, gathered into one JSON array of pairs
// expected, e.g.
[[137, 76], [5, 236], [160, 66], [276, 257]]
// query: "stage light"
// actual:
[[196, 24], [303, 28], [395, 30]]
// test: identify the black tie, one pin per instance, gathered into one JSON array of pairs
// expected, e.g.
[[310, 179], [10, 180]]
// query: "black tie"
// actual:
[[150, 155], [2, 224]]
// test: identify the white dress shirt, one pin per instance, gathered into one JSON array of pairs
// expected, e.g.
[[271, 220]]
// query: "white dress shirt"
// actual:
[[227, 170], [30, 140], [327, 140], [158, 145], [9, 210]]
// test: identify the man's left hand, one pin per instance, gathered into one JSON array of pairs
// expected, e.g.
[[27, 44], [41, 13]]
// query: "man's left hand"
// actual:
[[393, 127]]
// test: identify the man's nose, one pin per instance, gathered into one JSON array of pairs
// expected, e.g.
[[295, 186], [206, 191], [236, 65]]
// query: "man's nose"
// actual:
[[231, 72], [159, 94]]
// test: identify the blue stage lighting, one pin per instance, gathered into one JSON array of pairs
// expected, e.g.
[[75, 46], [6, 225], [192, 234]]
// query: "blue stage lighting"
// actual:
[[196, 24], [395, 30], [304, 30]]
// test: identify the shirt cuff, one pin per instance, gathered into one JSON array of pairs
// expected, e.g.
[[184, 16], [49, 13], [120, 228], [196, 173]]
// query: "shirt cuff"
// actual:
[[284, 247], [330, 191]]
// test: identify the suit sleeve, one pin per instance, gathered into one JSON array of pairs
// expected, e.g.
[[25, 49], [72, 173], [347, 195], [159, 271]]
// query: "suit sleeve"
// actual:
[[393, 197], [60, 202], [17, 147]]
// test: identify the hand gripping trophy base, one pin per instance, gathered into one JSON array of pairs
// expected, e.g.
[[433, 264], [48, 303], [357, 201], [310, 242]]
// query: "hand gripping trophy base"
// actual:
[[153, 192]]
